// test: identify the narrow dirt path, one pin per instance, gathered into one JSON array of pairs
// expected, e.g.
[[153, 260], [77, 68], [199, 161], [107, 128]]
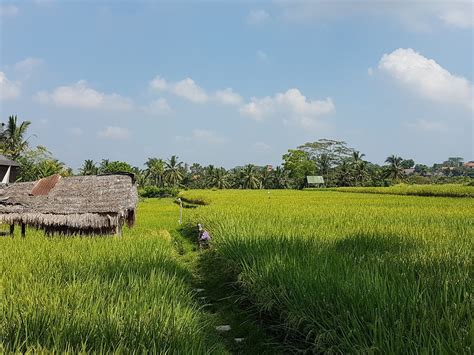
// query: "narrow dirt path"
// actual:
[[214, 289]]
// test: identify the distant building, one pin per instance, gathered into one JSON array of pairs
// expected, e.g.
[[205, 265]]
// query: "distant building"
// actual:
[[410, 171], [469, 164], [269, 167], [8, 170], [315, 181]]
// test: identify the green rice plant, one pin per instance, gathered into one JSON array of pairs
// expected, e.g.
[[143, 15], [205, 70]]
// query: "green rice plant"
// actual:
[[445, 190], [128, 295], [348, 273]]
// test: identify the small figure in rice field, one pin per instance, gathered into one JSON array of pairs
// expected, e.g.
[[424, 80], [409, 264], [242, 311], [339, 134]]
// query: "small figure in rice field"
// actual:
[[203, 237]]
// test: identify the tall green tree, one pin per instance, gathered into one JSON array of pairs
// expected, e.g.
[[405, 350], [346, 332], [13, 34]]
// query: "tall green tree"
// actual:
[[359, 166], [173, 171], [13, 142], [219, 178], [250, 177], [395, 168], [88, 168], [299, 165], [156, 171]]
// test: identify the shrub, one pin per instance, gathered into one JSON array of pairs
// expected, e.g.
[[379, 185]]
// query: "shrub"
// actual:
[[154, 191]]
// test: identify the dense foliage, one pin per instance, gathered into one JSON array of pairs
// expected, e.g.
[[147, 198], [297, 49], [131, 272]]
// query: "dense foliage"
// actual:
[[343, 273], [337, 163]]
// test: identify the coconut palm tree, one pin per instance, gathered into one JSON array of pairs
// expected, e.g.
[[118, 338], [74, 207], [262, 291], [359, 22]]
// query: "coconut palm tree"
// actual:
[[88, 168], [360, 166], [173, 171], [250, 178], [156, 170], [282, 181], [219, 179], [13, 137], [395, 168]]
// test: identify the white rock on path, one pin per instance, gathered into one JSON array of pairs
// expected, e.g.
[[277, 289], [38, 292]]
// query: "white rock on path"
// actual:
[[239, 340]]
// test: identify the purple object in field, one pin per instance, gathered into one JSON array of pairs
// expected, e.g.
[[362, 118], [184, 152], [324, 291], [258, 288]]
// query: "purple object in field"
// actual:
[[205, 236]]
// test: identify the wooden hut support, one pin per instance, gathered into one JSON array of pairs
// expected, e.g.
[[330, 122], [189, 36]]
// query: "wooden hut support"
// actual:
[[23, 230], [12, 230], [119, 229]]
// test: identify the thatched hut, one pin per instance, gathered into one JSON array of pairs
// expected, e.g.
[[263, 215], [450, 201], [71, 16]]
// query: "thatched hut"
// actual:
[[81, 205]]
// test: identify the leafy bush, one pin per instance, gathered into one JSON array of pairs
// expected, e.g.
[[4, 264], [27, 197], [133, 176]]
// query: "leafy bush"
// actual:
[[154, 191]]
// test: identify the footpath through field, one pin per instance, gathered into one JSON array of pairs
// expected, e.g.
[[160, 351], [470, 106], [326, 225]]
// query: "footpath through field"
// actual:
[[215, 291]]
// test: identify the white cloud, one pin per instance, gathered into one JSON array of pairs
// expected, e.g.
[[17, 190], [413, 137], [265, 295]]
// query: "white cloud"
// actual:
[[228, 97], [8, 10], [158, 83], [189, 90], [9, 90], [459, 14], [158, 107], [261, 55], [370, 71], [257, 17], [427, 78], [291, 106], [185, 88], [79, 95], [28, 65], [114, 133], [412, 15]]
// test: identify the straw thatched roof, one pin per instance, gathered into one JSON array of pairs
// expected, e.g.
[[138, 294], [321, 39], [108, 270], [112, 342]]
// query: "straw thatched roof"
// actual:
[[72, 205]]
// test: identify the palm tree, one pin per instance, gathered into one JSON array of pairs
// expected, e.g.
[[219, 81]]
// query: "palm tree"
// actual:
[[359, 165], [88, 168], [281, 178], [13, 138], [267, 178], [250, 178], [104, 166], [50, 167], [219, 179], [343, 174], [324, 163], [173, 172], [395, 166], [156, 170]]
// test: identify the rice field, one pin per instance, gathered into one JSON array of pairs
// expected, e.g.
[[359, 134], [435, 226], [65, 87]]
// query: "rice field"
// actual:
[[102, 295], [344, 272], [329, 271], [444, 190]]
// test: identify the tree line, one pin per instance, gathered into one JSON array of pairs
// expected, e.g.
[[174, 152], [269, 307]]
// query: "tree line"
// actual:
[[335, 161]]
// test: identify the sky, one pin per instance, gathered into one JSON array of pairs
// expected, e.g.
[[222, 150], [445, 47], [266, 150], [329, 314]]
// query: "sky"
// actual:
[[233, 82]]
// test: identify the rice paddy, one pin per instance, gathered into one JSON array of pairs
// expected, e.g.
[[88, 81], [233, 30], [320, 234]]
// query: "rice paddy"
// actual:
[[102, 294], [326, 271], [344, 272], [444, 190]]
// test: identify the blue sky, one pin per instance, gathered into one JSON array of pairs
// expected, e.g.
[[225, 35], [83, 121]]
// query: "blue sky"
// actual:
[[231, 83]]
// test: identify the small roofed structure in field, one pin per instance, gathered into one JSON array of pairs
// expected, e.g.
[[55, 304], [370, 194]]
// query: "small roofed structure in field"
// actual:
[[77, 205], [316, 181]]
